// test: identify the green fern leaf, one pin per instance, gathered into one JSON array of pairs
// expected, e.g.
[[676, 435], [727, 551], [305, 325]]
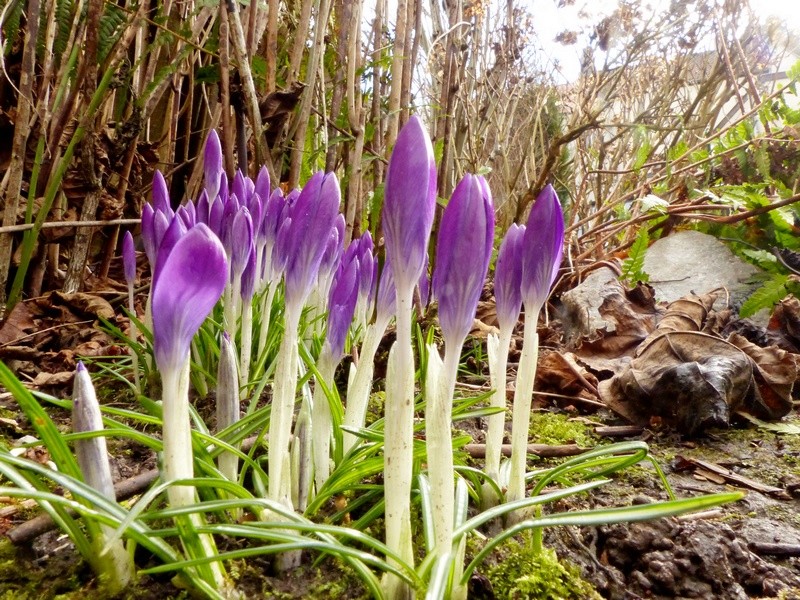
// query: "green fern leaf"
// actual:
[[633, 266], [768, 295]]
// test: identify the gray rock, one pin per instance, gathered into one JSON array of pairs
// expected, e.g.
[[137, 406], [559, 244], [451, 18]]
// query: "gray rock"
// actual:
[[692, 262]]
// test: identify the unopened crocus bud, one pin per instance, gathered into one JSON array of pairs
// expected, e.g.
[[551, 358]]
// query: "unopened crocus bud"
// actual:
[[91, 453], [312, 217], [188, 214], [463, 251], [508, 277], [172, 235], [191, 281], [161, 201], [386, 300], [542, 248], [212, 164], [409, 202], [240, 240], [262, 183], [249, 276], [129, 258], [342, 305]]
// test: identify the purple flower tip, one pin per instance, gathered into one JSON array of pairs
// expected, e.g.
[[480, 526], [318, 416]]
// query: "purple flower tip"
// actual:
[[542, 249], [161, 202], [508, 276], [192, 279], [80, 367], [312, 217], [129, 258], [463, 251], [342, 304], [409, 203], [212, 163]]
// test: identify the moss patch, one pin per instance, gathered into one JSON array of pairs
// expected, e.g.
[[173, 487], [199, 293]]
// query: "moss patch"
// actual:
[[522, 574], [556, 429]]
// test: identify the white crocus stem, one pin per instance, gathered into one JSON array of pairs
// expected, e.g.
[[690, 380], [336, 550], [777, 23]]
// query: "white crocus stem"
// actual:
[[321, 420], [178, 463], [246, 341], [521, 415], [266, 311], [283, 399], [398, 444], [134, 332], [302, 460], [358, 390], [228, 406], [439, 387], [497, 347]]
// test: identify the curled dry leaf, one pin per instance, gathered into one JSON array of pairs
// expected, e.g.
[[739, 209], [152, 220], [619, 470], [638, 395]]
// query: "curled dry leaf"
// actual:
[[689, 379]]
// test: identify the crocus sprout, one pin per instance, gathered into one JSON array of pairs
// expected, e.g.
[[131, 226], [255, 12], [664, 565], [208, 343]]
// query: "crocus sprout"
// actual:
[[227, 406], [112, 560], [301, 242], [191, 280], [463, 251], [408, 208], [129, 267], [508, 297], [542, 247]]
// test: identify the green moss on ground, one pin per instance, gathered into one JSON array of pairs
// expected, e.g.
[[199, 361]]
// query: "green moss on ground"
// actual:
[[556, 429], [523, 574]]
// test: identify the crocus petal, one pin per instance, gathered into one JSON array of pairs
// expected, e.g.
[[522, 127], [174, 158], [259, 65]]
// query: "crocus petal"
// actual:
[[386, 301], [212, 164], [161, 202], [542, 249], [262, 183], [508, 277], [409, 202], [129, 258], [342, 305], [249, 275], [462, 257], [194, 276], [171, 236], [313, 216], [240, 240]]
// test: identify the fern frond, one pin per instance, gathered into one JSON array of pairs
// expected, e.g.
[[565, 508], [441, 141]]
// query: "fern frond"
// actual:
[[633, 266], [768, 295]]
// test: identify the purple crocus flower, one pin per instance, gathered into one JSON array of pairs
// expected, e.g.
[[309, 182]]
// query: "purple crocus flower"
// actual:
[[542, 248], [161, 201], [302, 244], [262, 183], [175, 231], [212, 163], [463, 251], [249, 276], [129, 258], [386, 300], [239, 242], [192, 279], [508, 277], [342, 304], [409, 202]]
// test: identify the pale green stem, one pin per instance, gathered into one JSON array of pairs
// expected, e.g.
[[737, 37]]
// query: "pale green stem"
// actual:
[[228, 406], [498, 364], [398, 445], [302, 459], [178, 463], [358, 392], [246, 349], [283, 399], [321, 420], [521, 415], [134, 332], [440, 385], [266, 310]]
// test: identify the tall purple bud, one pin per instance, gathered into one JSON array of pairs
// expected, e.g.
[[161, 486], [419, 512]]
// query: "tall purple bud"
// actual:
[[542, 248], [312, 217], [508, 277], [409, 203], [191, 282], [342, 304], [129, 258], [212, 164], [463, 251], [161, 202]]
